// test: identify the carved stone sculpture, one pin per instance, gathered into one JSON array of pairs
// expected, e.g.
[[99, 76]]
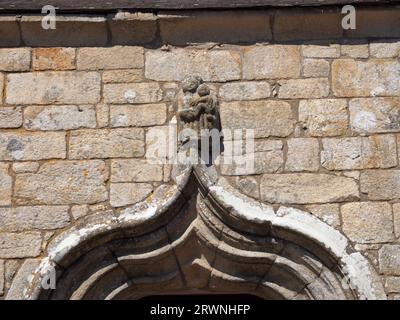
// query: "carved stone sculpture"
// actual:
[[200, 107]]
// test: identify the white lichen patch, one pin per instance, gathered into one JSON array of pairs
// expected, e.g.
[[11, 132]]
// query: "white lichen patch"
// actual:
[[304, 223], [361, 277], [73, 239], [130, 96], [131, 215], [365, 121]]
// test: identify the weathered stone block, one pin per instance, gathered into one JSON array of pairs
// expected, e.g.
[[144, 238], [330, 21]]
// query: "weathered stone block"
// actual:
[[328, 213], [97, 207], [266, 118], [59, 117], [316, 68], [2, 81], [303, 155], [2, 276], [352, 174], [65, 87], [221, 27], [10, 117], [354, 50], [321, 51], [304, 88], [32, 146], [11, 268], [79, 211], [359, 153], [53, 59], [102, 115], [210, 65], [160, 141], [266, 158], [392, 284], [63, 182], [20, 245], [375, 115], [304, 188], [24, 167], [123, 194], [132, 93], [257, 62], [171, 91], [385, 49], [236, 145], [71, 31], [380, 184], [300, 24], [16, 59], [138, 115], [123, 76], [398, 145], [396, 219], [135, 170], [375, 77], [263, 162], [132, 28], [5, 185], [248, 186], [106, 143], [31, 218], [9, 31], [21, 273], [323, 117], [118, 57], [167, 174], [245, 91], [389, 259], [368, 222]]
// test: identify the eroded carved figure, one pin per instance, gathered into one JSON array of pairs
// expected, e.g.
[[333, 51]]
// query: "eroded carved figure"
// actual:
[[200, 106]]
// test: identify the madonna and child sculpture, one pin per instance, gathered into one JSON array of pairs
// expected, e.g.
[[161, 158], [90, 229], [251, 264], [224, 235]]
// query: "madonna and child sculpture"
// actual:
[[199, 123], [200, 107]]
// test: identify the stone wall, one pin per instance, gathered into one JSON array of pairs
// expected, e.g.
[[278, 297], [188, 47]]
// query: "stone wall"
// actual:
[[75, 124]]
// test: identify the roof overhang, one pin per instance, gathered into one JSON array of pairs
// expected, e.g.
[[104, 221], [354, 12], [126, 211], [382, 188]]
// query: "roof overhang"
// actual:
[[114, 5]]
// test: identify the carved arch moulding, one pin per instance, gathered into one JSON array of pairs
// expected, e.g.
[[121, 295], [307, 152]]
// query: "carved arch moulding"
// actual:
[[198, 234]]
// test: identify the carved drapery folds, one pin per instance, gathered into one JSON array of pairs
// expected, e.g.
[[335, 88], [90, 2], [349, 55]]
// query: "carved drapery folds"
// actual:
[[199, 115], [200, 106]]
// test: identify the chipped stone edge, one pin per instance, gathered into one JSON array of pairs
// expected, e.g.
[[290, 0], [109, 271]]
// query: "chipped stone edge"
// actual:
[[362, 276]]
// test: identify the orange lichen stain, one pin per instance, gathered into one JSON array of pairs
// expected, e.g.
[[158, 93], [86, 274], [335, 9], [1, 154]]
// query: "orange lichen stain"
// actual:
[[85, 172], [54, 59]]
